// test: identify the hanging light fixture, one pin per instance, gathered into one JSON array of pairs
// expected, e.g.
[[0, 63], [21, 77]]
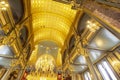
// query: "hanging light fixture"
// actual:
[[45, 64]]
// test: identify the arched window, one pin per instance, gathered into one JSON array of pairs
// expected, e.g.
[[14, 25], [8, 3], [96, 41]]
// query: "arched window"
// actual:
[[23, 35], [106, 71], [5, 50], [17, 9], [6, 54], [82, 24], [71, 43]]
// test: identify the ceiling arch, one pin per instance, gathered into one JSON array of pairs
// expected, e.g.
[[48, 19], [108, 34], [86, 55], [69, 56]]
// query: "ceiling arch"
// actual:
[[47, 20], [51, 6], [51, 20], [49, 34]]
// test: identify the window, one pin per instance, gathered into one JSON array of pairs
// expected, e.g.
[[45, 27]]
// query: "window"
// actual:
[[17, 9], [94, 54], [5, 62], [24, 35], [71, 43], [5, 50], [104, 40], [80, 60], [105, 71], [87, 76], [114, 61], [82, 23]]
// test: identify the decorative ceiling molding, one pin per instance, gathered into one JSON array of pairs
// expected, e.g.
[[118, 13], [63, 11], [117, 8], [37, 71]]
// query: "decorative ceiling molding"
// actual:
[[51, 20]]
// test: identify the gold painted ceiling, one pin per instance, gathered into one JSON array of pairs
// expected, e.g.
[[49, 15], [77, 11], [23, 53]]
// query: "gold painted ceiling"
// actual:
[[51, 20]]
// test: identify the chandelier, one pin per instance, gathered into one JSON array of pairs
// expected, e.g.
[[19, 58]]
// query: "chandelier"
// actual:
[[45, 63]]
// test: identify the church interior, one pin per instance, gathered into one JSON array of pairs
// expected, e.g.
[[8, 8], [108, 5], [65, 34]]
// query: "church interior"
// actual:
[[59, 39]]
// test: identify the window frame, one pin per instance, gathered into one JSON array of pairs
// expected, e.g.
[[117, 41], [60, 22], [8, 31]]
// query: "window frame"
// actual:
[[84, 73], [100, 74]]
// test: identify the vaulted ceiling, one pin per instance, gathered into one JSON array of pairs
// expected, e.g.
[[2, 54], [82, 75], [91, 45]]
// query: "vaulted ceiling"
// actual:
[[51, 20]]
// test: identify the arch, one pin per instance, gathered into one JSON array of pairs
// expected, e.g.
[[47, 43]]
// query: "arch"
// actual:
[[71, 43], [17, 9], [5, 50], [82, 23], [23, 35], [6, 55], [49, 34]]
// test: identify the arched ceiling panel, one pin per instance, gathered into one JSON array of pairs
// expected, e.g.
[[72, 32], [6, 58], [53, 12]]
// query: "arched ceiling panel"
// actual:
[[47, 20], [49, 34], [51, 20], [51, 6]]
